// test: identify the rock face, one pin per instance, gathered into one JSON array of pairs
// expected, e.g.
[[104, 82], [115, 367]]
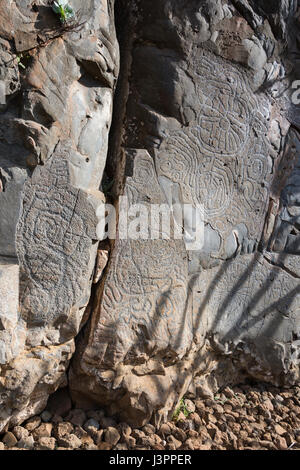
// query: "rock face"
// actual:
[[202, 117], [206, 122], [58, 82]]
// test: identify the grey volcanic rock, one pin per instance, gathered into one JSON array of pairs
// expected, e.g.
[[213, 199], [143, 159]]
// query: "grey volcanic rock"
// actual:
[[140, 317], [54, 241], [53, 144], [203, 117], [206, 122]]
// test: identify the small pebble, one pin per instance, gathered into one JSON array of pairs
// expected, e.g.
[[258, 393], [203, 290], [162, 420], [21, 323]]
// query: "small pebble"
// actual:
[[239, 418]]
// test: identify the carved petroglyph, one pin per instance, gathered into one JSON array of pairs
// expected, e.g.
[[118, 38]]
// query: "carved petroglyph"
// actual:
[[12, 331], [260, 309], [225, 112], [54, 240], [145, 299], [222, 161], [180, 160], [54, 126], [215, 142], [145, 289]]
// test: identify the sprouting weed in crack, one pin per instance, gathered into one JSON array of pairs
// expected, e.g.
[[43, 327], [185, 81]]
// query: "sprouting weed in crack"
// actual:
[[64, 10], [182, 408]]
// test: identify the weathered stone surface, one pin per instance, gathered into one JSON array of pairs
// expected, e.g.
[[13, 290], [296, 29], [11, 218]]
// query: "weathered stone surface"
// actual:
[[77, 417], [9, 439], [203, 116], [55, 118], [44, 430], [55, 241], [12, 331], [33, 423], [138, 303], [46, 443], [233, 419], [207, 121], [63, 429], [111, 436]]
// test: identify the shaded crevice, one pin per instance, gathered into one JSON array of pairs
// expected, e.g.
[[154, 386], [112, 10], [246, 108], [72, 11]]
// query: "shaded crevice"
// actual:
[[125, 21]]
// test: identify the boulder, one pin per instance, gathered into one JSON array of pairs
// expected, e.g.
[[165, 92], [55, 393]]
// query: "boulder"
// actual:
[[207, 124], [57, 84]]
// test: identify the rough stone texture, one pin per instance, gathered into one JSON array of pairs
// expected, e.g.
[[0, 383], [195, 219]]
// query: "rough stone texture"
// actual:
[[46, 443], [202, 116], [252, 417], [12, 331], [54, 127], [136, 297], [207, 120], [55, 240]]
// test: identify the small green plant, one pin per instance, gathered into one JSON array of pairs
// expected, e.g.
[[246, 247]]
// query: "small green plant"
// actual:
[[21, 58], [181, 408], [64, 10]]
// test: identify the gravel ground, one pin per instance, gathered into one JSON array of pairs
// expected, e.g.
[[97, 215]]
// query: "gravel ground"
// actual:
[[240, 418]]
